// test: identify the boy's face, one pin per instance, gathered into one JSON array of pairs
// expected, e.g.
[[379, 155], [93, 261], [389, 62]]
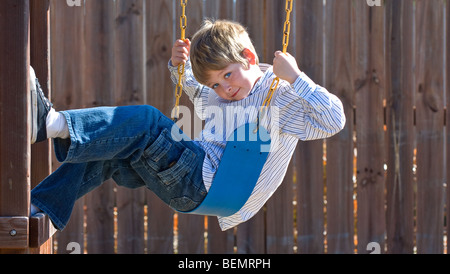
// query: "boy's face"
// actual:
[[235, 82]]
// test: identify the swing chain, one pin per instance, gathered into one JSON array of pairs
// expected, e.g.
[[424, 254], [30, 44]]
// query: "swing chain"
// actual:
[[286, 33], [287, 24], [183, 19], [181, 67]]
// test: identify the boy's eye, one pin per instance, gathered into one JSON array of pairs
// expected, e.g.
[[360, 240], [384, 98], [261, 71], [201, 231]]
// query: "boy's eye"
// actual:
[[226, 76]]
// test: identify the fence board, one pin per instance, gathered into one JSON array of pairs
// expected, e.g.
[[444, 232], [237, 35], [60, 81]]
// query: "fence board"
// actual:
[[279, 223], [279, 209], [251, 235], [191, 227], [369, 85], [14, 116], [273, 17], [219, 242], [400, 128], [447, 119], [339, 169], [251, 15], [219, 9], [98, 65], [160, 95], [129, 26], [430, 121], [309, 155], [67, 49]]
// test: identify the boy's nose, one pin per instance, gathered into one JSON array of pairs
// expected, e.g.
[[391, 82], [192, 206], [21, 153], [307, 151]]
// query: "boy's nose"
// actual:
[[227, 87]]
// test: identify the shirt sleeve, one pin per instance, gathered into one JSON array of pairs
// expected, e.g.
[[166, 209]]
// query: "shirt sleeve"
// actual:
[[308, 111], [197, 93]]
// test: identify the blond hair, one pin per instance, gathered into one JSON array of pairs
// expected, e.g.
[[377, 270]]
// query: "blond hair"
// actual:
[[218, 44]]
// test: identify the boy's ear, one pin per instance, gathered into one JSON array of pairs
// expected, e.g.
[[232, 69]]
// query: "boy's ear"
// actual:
[[250, 56]]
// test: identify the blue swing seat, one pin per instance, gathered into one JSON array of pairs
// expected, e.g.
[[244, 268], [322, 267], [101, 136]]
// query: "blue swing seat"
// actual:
[[242, 162]]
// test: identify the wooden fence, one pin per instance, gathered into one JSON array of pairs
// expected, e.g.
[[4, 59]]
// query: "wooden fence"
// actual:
[[382, 179]]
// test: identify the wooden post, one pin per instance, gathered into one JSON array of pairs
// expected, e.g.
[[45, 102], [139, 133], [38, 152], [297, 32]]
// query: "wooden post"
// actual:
[[15, 129], [18, 232], [41, 164]]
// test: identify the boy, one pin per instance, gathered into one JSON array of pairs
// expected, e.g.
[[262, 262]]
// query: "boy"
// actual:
[[138, 146]]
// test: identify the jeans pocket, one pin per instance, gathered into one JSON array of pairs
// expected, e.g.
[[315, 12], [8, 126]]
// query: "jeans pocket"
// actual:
[[169, 159], [159, 149], [179, 169]]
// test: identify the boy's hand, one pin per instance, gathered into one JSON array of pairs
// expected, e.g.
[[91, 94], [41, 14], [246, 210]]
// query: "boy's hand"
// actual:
[[180, 52], [285, 67]]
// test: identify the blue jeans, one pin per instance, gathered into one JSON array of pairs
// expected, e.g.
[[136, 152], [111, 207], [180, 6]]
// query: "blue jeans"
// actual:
[[136, 146]]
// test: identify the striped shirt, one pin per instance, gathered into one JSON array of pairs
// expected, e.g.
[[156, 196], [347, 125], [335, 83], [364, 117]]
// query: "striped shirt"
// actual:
[[301, 111]]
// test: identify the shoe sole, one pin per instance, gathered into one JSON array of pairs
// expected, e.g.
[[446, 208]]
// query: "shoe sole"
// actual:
[[33, 95]]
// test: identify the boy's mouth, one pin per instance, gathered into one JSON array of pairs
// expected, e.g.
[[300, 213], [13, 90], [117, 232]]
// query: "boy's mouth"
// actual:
[[234, 95]]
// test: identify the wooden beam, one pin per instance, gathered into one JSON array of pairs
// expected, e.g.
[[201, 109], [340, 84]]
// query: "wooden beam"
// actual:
[[41, 230], [13, 232]]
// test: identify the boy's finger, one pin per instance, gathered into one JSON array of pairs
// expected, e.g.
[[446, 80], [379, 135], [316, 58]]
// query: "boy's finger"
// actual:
[[181, 50], [183, 55], [183, 43], [180, 43], [180, 58]]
